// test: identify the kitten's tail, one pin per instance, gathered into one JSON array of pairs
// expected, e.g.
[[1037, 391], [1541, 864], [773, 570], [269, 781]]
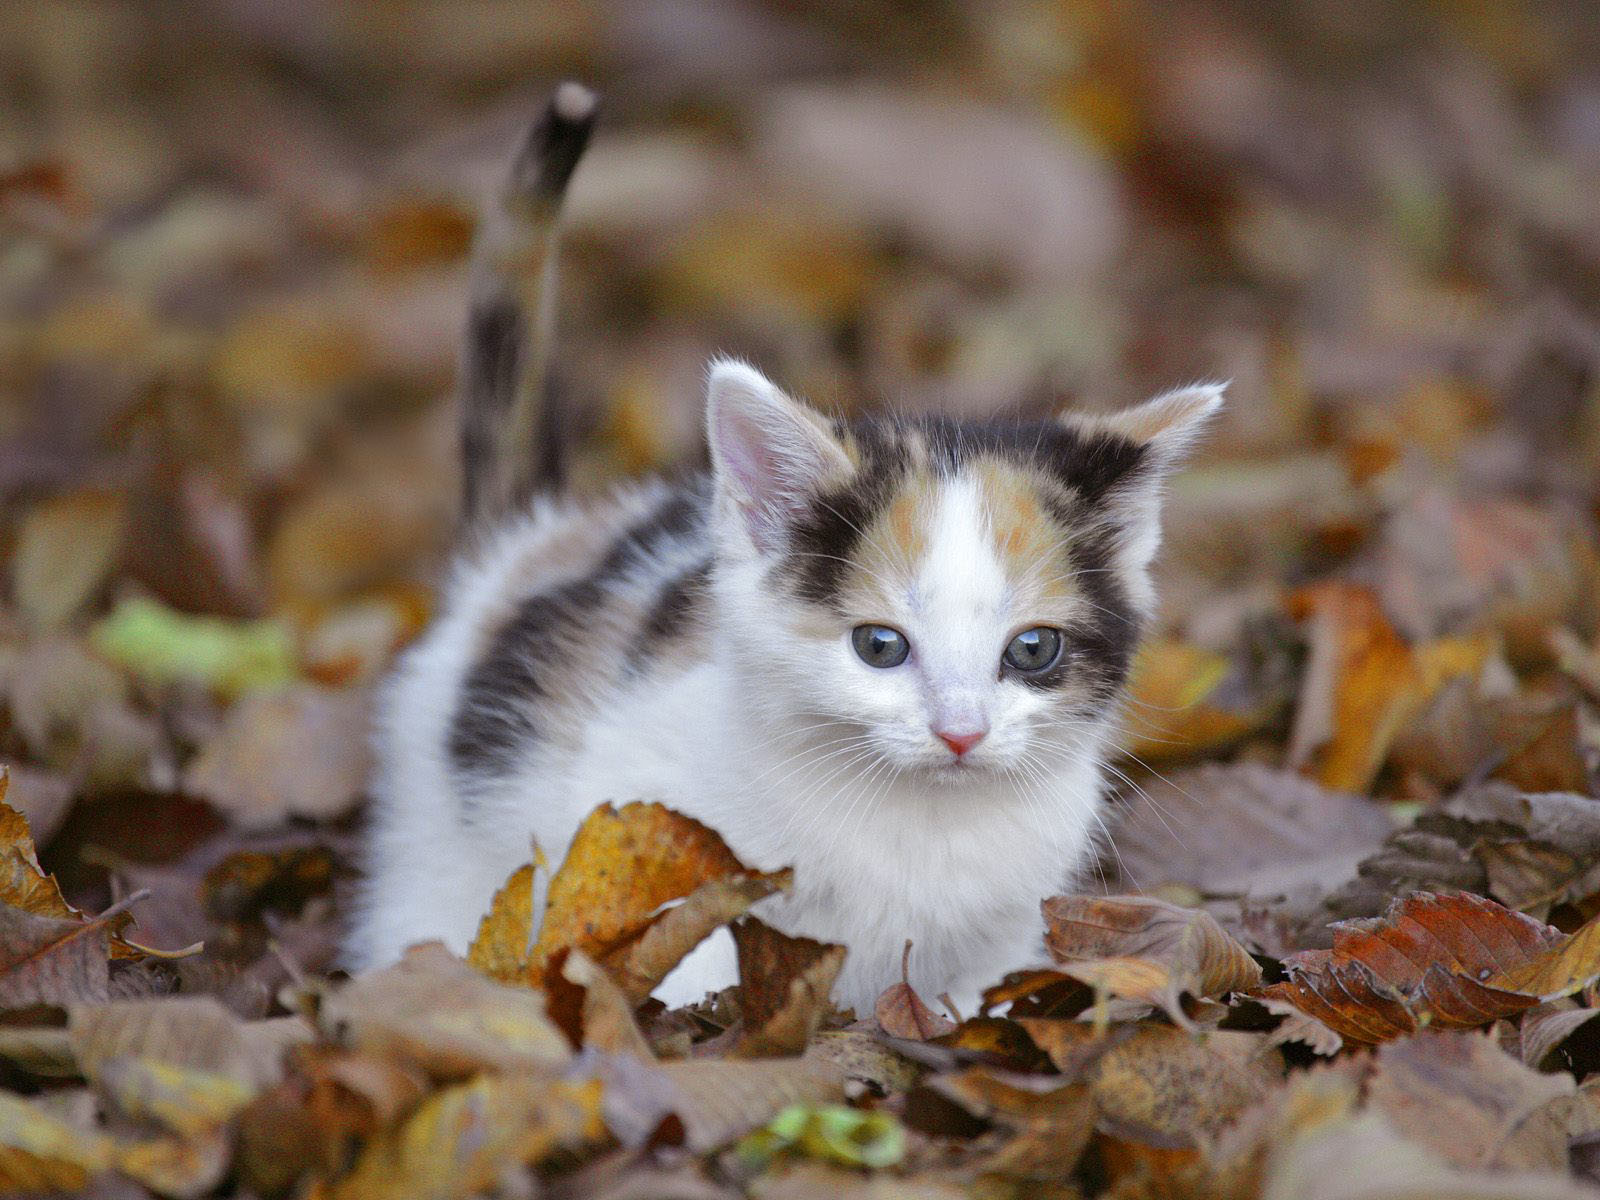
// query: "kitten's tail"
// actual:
[[510, 435]]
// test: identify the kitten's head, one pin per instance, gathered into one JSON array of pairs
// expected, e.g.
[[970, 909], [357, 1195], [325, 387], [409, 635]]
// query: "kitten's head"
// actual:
[[952, 594]]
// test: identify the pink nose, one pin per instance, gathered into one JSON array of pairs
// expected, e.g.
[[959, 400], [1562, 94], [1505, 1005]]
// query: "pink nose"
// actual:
[[960, 743]]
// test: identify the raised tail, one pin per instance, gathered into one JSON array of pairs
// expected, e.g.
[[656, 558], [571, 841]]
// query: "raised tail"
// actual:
[[510, 430]]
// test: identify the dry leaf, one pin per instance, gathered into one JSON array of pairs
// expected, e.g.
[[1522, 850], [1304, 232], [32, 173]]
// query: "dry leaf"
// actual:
[[901, 1012], [784, 986], [1363, 683], [1158, 1078], [1049, 1122], [299, 752], [623, 865], [504, 940], [434, 1010], [1464, 1098], [1433, 958], [42, 1154], [465, 1139], [52, 960], [720, 1101], [1562, 969], [65, 549], [1146, 950]]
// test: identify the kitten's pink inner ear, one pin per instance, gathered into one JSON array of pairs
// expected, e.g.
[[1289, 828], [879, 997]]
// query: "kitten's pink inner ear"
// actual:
[[770, 454]]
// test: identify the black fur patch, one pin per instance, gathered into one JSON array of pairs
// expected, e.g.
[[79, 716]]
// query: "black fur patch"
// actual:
[[1090, 466], [497, 328], [678, 608], [494, 718], [1099, 648]]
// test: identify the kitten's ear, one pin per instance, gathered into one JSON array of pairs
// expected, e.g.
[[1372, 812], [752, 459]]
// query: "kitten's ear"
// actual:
[[770, 455], [1167, 428]]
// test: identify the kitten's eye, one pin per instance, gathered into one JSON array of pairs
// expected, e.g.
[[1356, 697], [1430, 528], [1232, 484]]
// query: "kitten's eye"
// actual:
[[880, 646], [1034, 649]]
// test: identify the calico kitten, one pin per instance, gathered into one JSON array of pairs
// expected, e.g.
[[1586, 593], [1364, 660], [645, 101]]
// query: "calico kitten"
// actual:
[[887, 652]]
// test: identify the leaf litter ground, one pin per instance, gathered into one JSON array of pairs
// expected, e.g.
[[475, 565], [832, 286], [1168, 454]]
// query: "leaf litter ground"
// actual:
[[1344, 940]]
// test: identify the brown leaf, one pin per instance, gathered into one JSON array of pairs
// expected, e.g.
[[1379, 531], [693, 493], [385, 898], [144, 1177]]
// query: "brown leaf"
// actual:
[[784, 987], [1146, 950], [40, 1153], [642, 964], [23, 883], [719, 1101], [465, 1139], [434, 1010], [901, 1012], [1048, 1122], [52, 960], [1462, 1097], [1275, 840], [1560, 970], [623, 865], [1159, 1078], [1543, 1029], [298, 752], [1364, 683], [65, 548], [43, 797], [1175, 709], [183, 1031], [1430, 957], [606, 1016]]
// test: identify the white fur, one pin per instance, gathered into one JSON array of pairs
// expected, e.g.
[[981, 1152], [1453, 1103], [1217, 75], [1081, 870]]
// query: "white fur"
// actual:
[[798, 754]]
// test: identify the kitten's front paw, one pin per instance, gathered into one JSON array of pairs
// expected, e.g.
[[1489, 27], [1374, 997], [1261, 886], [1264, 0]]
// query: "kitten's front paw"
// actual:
[[709, 967]]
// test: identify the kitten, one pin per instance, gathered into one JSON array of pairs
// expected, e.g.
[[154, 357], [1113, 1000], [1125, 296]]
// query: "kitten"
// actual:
[[887, 652]]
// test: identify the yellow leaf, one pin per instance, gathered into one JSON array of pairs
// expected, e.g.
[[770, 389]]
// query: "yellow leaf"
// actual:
[[506, 932], [39, 1153], [463, 1140]]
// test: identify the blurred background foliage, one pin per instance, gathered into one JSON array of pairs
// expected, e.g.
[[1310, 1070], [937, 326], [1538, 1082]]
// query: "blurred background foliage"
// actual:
[[233, 239]]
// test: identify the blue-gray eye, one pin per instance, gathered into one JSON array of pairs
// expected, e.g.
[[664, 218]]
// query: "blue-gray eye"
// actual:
[[880, 646], [1034, 649]]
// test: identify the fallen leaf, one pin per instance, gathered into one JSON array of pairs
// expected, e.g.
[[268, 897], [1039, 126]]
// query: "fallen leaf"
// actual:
[[164, 646], [194, 1032], [606, 1016], [1177, 706], [42, 1154], [464, 1139], [1544, 1028], [504, 940], [23, 883], [1159, 1078], [66, 547], [52, 960], [721, 1101], [901, 1012], [828, 1133], [623, 865], [1049, 1122], [1364, 683], [42, 797], [640, 965], [299, 752], [1463, 1098], [1560, 970], [1430, 958], [784, 986], [1146, 950], [1247, 834], [434, 1010]]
